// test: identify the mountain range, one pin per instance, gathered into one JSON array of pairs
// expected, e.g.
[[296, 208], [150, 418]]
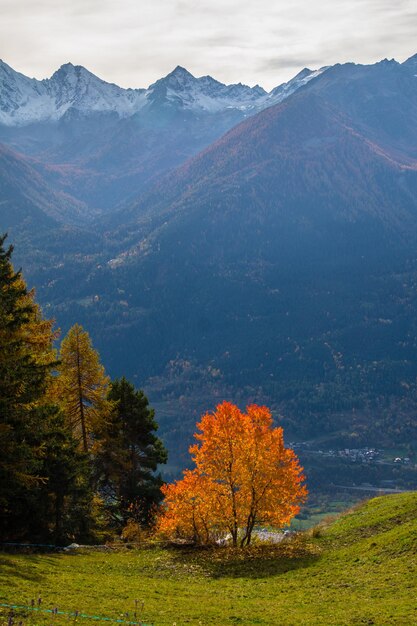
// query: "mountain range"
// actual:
[[221, 242], [102, 144], [73, 89]]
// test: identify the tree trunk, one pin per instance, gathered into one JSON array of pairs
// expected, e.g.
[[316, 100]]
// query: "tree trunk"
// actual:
[[80, 401], [246, 539], [59, 507]]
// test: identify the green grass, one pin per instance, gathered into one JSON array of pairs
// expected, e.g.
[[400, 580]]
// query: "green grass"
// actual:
[[359, 569], [321, 508]]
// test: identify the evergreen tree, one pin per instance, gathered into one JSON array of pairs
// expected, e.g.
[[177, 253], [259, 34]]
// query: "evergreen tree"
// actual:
[[42, 478], [23, 381], [45, 489], [65, 499], [128, 457], [82, 387]]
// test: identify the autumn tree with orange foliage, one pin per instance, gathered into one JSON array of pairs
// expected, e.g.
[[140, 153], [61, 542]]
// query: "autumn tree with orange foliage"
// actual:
[[244, 476]]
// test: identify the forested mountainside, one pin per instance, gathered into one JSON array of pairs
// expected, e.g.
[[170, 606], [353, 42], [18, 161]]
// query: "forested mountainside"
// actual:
[[277, 265]]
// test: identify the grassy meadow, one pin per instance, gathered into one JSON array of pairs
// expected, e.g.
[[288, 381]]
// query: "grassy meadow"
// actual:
[[358, 569]]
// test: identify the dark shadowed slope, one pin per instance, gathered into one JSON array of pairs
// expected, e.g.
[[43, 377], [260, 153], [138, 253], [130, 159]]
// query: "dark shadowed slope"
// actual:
[[26, 198]]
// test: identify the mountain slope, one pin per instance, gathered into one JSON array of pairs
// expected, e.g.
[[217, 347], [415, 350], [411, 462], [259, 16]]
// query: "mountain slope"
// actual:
[[280, 263], [288, 156], [27, 201], [359, 569], [103, 144], [373, 105], [47, 227]]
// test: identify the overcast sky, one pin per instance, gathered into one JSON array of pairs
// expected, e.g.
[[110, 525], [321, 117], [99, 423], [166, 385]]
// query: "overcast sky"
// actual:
[[134, 42]]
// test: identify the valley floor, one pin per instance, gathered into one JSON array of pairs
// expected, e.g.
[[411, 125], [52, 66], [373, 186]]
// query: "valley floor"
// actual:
[[358, 569]]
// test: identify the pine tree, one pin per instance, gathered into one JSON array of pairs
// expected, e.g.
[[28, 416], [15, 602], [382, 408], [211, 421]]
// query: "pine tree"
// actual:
[[130, 453], [82, 387], [44, 480], [22, 371], [23, 381], [65, 499], [26, 360]]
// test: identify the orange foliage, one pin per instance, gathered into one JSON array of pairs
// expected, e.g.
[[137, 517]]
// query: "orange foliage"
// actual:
[[187, 509], [244, 476]]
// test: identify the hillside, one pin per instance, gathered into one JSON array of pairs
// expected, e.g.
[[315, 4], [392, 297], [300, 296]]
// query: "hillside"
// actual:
[[27, 200], [359, 569]]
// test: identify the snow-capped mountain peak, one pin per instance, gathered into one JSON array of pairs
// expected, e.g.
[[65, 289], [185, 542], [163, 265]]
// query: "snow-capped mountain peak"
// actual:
[[286, 89], [73, 86], [181, 88], [181, 74], [17, 91], [73, 74], [26, 100]]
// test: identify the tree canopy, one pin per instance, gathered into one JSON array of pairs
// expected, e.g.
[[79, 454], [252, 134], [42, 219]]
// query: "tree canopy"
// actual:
[[82, 386], [128, 456], [244, 476]]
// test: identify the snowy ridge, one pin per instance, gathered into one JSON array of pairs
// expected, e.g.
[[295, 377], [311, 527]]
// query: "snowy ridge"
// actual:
[[281, 92], [205, 93], [26, 100]]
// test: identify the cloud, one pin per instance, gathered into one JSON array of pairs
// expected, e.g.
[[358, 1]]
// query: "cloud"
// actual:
[[133, 43], [280, 63]]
